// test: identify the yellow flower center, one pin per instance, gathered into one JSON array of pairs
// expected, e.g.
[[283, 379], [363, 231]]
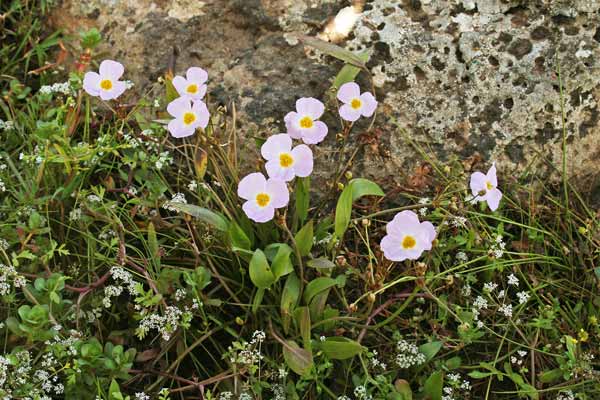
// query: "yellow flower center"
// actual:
[[285, 160], [306, 122], [408, 242], [106, 84], [193, 89], [188, 118], [263, 199], [356, 103], [489, 185]]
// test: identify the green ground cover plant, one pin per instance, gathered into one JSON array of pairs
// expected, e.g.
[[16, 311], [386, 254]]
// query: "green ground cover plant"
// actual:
[[138, 262]]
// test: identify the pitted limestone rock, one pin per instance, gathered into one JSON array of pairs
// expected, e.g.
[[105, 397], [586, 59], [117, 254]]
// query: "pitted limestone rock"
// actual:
[[458, 76]]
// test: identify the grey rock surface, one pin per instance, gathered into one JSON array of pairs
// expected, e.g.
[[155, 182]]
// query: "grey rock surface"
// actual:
[[459, 77]]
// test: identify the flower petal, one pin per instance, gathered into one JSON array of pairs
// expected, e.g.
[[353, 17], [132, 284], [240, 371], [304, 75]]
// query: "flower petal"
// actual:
[[493, 198], [111, 69], [303, 160], [202, 113], [348, 113], [477, 183], [310, 106], [404, 222], [251, 184], [196, 75], [491, 175], [314, 135], [276, 144], [91, 83], [179, 130], [390, 245], [180, 84], [179, 106], [291, 123], [430, 231], [276, 171], [118, 89], [258, 214], [369, 104], [279, 192], [348, 91]]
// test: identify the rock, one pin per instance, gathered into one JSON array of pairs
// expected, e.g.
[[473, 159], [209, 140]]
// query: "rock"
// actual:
[[458, 78]]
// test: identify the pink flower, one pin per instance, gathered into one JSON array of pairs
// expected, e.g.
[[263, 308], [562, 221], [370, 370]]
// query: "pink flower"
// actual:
[[355, 104], [105, 84], [263, 196], [283, 162], [189, 115], [406, 237], [193, 85], [485, 188], [303, 124]]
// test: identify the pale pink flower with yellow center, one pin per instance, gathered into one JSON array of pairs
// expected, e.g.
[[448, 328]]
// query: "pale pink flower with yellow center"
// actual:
[[193, 85], [406, 237], [189, 116], [303, 123], [285, 162], [355, 104], [263, 196], [106, 83], [485, 187]]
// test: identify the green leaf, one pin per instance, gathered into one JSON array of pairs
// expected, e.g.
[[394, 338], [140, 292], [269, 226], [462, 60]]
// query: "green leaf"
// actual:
[[282, 265], [333, 50], [289, 299], [260, 272], [343, 212], [433, 386], [320, 263], [551, 376], [238, 237], [355, 189], [302, 198], [299, 360], [316, 286], [205, 215], [480, 374], [430, 349], [348, 72], [364, 187], [302, 315], [257, 301], [305, 238], [340, 348], [153, 245], [403, 388]]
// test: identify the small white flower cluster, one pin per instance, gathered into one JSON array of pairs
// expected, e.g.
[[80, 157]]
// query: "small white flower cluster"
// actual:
[[344, 397], [247, 354], [165, 324], [479, 304], [141, 396], [497, 248], [423, 210], [566, 395], [458, 221], [278, 392], [177, 198], [225, 396], [408, 355], [376, 362], [462, 257], [111, 291], [164, 158], [519, 358], [360, 392], [507, 310], [458, 388], [60, 88], [505, 307], [4, 245], [245, 396], [9, 277], [122, 277], [192, 186], [18, 373], [75, 214], [6, 125], [2, 186]]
